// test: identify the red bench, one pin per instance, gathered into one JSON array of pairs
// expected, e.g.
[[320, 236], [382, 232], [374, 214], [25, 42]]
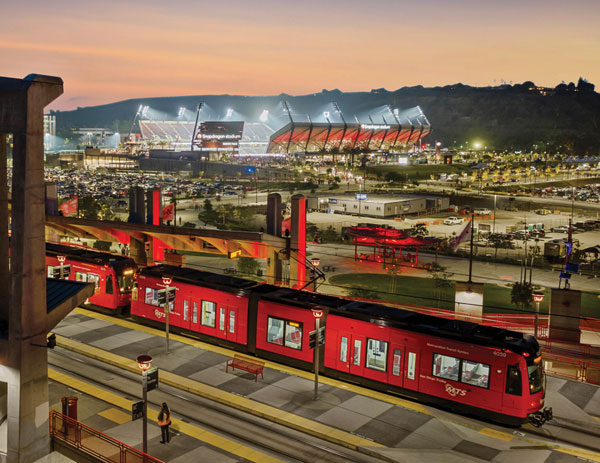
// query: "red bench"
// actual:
[[253, 366]]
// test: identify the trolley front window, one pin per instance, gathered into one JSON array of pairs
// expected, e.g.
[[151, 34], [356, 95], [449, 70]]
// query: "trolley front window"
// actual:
[[536, 377], [125, 283]]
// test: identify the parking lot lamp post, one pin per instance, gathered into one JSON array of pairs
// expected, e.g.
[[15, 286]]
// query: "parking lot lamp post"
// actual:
[[144, 362], [494, 223], [538, 297], [318, 314], [61, 261]]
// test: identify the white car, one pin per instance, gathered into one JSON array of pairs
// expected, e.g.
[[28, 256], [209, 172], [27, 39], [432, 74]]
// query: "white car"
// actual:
[[453, 221], [482, 211]]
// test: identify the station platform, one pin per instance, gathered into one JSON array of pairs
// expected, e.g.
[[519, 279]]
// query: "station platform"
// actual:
[[348, 415]]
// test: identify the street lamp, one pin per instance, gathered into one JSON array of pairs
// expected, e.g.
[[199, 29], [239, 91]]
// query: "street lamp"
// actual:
[[61, 261], [318, 314], [315, 261], [144, 362], [538, 297]]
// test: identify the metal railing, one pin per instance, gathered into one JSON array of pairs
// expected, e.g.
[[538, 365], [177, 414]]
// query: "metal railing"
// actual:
[[94, 443]]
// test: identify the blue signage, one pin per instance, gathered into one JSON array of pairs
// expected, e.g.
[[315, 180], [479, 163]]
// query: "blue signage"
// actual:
[[332, 201], [361, 196]]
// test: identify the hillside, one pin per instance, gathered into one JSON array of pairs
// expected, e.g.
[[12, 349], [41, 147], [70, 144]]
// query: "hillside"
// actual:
[[564, 119]]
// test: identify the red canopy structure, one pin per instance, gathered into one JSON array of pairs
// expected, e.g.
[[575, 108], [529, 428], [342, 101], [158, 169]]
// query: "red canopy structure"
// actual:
[[387, 242]]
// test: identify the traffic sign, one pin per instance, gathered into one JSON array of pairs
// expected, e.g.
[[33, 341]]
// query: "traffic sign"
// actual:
[[137, 410], [152, 379]]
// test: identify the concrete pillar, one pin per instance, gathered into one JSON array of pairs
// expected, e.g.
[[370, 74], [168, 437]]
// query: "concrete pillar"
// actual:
[[565, 310], [154, 207], [298, 242], [22, 365], [4, 273], [137, 250], [137, 211], [51, 198], [274, 264]]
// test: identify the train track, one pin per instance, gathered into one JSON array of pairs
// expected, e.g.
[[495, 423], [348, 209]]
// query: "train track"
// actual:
[[278, 441]]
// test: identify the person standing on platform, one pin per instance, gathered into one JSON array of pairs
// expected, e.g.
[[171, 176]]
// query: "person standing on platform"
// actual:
[[164, 420]]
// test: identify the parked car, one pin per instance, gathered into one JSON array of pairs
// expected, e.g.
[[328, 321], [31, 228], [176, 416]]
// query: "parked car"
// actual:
[[560, 229], [483, 211], [543, 211], [522, 235], [453, 221], [537, 233]]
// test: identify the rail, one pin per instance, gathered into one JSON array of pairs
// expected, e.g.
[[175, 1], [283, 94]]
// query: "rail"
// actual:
[[101, 447]]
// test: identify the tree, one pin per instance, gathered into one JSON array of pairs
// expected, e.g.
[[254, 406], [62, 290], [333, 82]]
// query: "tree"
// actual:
[[419, 230], [89, 208], [393, 270], [522, 295], [208, 215], [248, 265], [498, 240], [441, 280]]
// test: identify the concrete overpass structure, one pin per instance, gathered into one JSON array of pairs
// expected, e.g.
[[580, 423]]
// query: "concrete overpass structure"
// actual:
[[152, 243]]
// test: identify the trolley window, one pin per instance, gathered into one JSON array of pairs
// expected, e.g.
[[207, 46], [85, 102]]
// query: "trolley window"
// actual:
[[376, 354], [232, 321], [357, 349], [88, 278], [445, 366], [54, 272], [195, 312], [476, 374], [344, 349], [396, 362], [284, 333], [186, 309], [513, 380], [222, 318], [209, 313], [109, 284]]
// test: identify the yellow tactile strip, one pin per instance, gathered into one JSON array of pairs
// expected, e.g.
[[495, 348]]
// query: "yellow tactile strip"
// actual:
[[208, 437], [212, 393], [269, 364]]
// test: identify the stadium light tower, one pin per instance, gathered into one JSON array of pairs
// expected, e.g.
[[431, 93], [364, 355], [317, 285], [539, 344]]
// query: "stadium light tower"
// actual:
[[394, 112], [200, 105], [339, 111], [229, 113], [286, 109], [181, 112], [264, 115], [137, 114]]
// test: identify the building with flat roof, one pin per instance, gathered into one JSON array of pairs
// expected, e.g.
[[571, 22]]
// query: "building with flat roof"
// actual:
[[370, 205]]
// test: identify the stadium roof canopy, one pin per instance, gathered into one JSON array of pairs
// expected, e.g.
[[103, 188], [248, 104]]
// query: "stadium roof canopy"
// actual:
[[318, 137]]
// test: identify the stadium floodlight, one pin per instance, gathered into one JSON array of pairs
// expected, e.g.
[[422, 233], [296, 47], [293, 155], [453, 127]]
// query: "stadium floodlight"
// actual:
[[264, 115], [145, 111], [140, 109], [181, 112], [229, 112], [326, 114], [396, 112]]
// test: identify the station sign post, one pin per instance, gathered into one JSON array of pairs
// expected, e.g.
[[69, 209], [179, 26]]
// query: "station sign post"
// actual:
[[318, 314], [145, 362]]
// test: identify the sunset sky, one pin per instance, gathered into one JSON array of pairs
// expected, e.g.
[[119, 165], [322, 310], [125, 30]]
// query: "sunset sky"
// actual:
[[112, 50]]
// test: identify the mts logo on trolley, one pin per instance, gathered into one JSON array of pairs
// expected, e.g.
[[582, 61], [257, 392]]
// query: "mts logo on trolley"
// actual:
[[454, 391]]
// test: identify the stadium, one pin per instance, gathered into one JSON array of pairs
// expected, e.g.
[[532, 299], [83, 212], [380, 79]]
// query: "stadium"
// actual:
[[279, 129]]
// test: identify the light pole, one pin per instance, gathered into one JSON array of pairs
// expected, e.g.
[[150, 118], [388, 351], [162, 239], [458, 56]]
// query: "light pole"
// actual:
[[538, 297], [315, 261], [144, 362], [318, 314], [61, 261], [494, 224], [167, 280]]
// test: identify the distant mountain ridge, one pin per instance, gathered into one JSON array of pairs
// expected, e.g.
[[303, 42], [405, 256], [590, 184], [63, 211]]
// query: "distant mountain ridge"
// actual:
[[565, 118]]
